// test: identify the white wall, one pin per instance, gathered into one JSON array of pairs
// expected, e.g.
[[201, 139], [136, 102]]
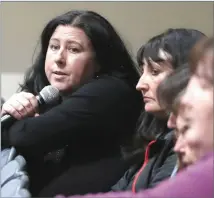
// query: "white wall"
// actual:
[[22, 23], [10, 83]]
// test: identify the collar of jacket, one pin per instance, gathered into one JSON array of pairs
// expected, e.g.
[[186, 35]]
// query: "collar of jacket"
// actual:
[[163, 140]]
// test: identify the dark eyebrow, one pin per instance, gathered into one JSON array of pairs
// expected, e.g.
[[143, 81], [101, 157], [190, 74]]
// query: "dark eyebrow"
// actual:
[[159, 60], [54, 39], [69, 41], [154, 65], [75, 42]]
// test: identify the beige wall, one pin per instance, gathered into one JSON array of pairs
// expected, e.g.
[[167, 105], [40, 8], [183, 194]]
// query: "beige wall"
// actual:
[[22, 23]]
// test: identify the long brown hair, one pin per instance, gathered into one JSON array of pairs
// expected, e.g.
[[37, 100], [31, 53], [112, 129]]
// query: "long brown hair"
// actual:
[[172, 87], [197, 55]]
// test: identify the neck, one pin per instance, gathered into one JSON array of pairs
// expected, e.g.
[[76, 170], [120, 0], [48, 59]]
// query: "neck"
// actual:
[[162, 115], [65, 95]]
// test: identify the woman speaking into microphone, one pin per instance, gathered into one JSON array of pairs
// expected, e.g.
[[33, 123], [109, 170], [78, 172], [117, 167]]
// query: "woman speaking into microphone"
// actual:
[[74, 146]]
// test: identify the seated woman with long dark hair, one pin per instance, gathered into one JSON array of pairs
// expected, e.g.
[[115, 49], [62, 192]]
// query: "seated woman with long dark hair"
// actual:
[[74, 146], [154, 159]]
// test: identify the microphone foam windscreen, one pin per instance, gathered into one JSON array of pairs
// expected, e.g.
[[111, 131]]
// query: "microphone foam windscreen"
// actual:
[[49, 94]]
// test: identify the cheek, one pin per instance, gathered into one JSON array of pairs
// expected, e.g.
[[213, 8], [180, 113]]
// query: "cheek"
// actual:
[[48, 65], [205, 107], [204, 135], [193, 140], [189, 149], [157, 80], [81, 68], [163, 75]]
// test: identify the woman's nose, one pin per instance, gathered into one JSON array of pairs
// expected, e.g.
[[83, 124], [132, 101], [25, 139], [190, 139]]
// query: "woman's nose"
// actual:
[[60, 58], [171, 123], [142, 85], [178, 145]]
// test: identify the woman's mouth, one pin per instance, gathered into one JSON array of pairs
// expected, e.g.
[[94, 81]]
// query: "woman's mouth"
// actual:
[[59, 73], [147, 99]]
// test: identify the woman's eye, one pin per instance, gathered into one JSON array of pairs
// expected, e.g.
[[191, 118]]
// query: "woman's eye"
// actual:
[[74, 49], [204, 84], [141, 70], [184, 129], [155, 72], [54, 47]]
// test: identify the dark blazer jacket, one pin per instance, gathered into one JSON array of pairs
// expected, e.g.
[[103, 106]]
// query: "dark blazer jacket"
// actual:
[[74, 147], [162, 161]]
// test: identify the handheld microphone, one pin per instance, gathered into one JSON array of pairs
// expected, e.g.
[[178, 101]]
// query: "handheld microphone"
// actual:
[[47, 95]]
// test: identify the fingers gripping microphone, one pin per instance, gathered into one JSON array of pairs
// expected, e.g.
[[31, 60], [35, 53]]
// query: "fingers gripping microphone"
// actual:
[[47, 95]]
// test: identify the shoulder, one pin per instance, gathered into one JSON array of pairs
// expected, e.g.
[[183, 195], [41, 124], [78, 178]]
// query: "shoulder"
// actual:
[[109, 81], [124, 182], [109, 86], [105, 95]]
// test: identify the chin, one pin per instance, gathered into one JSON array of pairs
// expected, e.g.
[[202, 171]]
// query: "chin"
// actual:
[[188, 161], [60, 86], [156, 111], [150, 108]]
